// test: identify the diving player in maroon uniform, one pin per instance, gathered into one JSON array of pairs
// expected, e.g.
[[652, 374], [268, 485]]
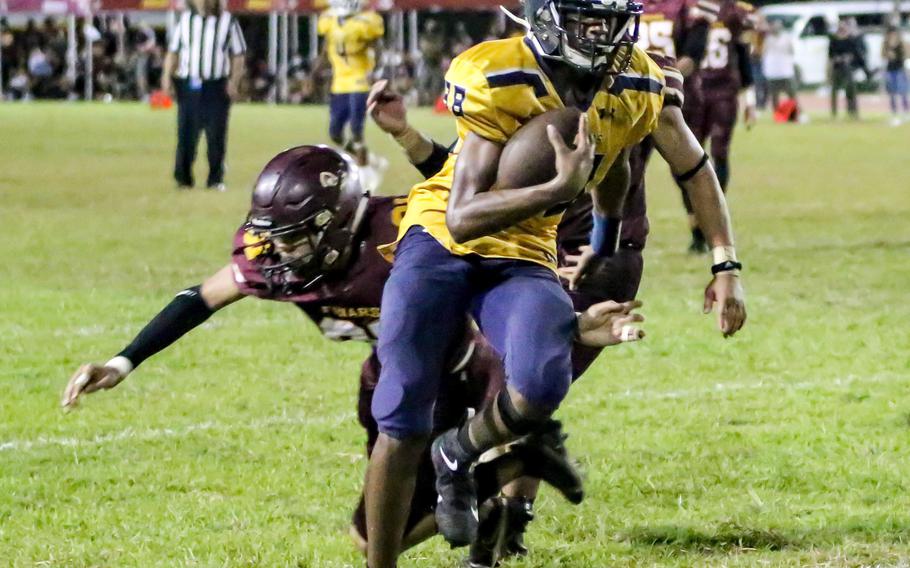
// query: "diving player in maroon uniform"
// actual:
[[310, 239], [725, 73]]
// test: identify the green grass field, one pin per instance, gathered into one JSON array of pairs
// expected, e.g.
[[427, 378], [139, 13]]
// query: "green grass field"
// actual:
[[786, 446]]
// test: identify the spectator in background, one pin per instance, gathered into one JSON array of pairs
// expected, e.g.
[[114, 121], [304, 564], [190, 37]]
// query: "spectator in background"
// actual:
[[461, 39], [894, 54], [430, 73], [38, 65], [859, 62], [757, 49], [778, 65], [19, 85], [842, 60], [31, 37], [8, 55], [144, 40]]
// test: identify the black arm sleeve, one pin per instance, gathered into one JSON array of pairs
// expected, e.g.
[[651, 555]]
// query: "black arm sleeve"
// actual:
[[695, 42], [434, 163], [186, 311], [745, 65]]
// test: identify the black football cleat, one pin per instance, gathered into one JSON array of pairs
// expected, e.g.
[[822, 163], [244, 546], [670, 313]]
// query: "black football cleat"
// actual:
[[501, 532], [456, 507], [489, 547], [545, 457], [520, 512]]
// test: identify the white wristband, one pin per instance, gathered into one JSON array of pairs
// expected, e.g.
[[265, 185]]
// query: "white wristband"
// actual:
[[123, 365], [723, 254], [413, 141]]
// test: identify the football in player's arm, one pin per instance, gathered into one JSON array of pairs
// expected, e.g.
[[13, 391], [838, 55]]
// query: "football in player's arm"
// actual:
[[495, 89], [687, 160], [278, 257]]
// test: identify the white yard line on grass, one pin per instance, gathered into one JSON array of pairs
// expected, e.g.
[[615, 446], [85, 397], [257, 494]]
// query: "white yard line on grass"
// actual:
[[758, 384], [152, 434]]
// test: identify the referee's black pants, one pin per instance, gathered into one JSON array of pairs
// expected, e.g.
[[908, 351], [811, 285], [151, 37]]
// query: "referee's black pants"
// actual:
[[201, 109]]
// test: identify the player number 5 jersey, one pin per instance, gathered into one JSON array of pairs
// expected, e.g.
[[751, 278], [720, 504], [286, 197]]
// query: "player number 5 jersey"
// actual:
[[492, 90]]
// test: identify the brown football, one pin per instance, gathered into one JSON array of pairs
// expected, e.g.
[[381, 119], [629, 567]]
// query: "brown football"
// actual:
[[528, 158]]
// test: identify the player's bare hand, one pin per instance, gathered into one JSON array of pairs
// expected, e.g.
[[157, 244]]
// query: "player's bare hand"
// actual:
[[573, 166], [576, 266], [88, 379], [232, 91], [726, 292], [167, 86], [750, 116], [609, 323], [387, 108]]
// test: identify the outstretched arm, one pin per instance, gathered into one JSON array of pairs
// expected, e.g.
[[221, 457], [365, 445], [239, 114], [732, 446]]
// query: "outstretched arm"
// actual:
[[189, 309], [691, 167]]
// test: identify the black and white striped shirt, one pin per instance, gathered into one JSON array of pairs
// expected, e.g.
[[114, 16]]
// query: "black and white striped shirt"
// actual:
[[205, 45]]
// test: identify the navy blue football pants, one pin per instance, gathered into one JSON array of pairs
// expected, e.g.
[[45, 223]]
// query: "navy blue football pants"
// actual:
[[347, 108], [520, 306]]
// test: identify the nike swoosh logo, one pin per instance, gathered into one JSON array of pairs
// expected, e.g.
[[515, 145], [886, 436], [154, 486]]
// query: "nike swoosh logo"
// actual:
[[453, 465], [474, 512]]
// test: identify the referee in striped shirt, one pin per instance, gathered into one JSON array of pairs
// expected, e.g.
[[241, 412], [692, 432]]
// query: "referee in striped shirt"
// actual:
[[204, 64]]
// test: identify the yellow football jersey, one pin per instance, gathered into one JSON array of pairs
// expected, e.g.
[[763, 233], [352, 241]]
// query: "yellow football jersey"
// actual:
[[348, 44], [492, 90]]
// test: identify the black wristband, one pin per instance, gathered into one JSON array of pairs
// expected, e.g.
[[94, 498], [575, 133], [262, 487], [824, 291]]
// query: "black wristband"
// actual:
[[186, 311], [434, 162], [726, 266]]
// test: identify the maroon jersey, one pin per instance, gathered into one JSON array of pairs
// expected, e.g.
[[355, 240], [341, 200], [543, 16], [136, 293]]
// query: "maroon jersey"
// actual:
[[719, 72], [665, 24], [575, 228], [345, 306]]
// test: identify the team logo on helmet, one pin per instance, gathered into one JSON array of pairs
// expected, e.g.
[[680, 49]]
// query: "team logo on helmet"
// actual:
[[328, 179]]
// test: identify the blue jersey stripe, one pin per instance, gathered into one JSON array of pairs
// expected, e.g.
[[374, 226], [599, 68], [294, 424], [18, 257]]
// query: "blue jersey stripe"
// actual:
[[646, 84], [512, 78]]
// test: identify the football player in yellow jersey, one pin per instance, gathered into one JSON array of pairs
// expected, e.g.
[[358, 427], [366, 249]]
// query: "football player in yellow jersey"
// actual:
[[464, 249], [351, 41]]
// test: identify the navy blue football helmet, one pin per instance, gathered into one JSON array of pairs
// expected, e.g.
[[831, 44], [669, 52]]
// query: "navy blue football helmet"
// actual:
[[596, 36]]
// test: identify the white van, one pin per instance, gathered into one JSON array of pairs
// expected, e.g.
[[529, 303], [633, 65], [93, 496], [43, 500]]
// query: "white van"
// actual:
[[811, 22]]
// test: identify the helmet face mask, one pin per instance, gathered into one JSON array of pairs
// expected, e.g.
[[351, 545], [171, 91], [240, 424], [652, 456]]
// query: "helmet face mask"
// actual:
[[307, 206], [595, 36]]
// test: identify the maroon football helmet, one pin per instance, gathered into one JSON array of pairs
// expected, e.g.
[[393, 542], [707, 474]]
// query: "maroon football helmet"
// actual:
[[307, 206]]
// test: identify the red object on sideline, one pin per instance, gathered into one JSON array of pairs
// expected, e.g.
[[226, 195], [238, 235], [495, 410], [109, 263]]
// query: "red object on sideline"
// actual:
[[160, 100], [786, 111], [440, 106]]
